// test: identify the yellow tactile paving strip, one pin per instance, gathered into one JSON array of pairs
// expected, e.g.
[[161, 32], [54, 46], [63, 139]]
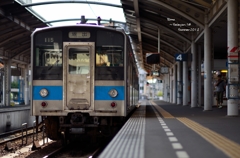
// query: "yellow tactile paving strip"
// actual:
[[229, 147], [164, 113], [226, 145]]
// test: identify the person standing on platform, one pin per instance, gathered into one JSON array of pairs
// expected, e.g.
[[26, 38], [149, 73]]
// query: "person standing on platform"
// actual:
[[148, 90], [220, 89]]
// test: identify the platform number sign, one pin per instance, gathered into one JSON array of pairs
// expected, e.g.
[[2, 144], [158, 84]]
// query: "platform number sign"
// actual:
[[180, 57]]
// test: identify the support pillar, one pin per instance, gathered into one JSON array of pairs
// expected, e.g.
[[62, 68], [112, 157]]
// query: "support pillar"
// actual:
[[1, 86], [175, 84], [179, 83], [7, 82], [26, 85], [194, 75], [171, 79], [166, 87], [185, 83], [233, 63], [208, 97], [199, 77]]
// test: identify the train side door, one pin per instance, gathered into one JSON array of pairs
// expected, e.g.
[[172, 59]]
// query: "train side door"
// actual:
[[78, 75]]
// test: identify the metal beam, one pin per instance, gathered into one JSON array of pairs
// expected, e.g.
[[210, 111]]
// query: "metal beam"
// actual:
[[14, 37], [136, 9], [77, 19], [20, 61], [23, 52], [165, 53], [5, 2], [67, 1], [154, 24], [166, 43], [200, 3], [180, 12], [217, 15], [15, 20]]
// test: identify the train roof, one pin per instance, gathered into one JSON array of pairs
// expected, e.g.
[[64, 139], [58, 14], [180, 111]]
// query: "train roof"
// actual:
[[80, 25]]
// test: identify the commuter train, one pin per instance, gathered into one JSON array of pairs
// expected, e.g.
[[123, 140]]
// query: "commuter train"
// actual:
[[84, 77]]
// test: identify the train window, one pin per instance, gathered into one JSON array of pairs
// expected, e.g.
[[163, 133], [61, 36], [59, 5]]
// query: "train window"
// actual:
[[48, 58], [109, 56], [47, 55], [48, 64], [52, 58], [79, 60]]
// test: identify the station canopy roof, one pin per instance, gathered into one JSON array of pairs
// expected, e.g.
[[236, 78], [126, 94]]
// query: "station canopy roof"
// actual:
[[69, 12], [150, 25]]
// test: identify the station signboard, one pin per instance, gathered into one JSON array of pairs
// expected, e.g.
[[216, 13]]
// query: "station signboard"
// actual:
[[164, 70], [181, 57], [153, 58]]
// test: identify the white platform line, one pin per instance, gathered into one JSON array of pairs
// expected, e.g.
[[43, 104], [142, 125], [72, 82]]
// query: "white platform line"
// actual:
[[167, 130], [177, 146], [169, 133], [182, 154], [173, 140], [130, 140]]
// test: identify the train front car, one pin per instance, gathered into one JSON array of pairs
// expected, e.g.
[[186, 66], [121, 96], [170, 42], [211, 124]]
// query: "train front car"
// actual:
[[80, 79]]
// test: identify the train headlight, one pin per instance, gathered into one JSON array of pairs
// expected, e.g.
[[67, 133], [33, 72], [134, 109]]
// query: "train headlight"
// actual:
[[113, 93], [43, 92]]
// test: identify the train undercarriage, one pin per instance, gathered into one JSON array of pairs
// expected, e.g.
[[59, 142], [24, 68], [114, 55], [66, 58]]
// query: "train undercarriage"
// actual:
[[82, 126]]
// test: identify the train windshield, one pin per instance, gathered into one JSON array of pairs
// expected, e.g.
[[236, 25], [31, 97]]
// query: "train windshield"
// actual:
[[47, 56], [110, 56], [48, 64]]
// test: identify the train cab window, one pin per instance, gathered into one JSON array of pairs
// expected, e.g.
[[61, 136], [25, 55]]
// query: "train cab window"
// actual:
[[47, 55], [48, 64], [109, 56], [52, 58], [79, 60]]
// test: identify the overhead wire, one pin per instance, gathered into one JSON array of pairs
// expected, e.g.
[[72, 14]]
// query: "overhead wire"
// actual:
[[91, 9]]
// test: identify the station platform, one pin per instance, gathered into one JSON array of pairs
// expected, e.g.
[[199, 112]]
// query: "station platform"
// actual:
[[159, 129]]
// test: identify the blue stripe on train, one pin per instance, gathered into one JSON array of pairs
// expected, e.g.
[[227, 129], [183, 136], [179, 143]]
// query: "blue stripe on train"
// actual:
[[101, 92], [54, 93]]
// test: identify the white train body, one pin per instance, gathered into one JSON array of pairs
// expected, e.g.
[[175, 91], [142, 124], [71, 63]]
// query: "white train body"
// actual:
[[82, 76]]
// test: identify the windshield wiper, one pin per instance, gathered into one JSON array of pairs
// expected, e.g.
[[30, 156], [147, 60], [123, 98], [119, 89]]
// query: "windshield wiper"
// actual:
[[53, 65]]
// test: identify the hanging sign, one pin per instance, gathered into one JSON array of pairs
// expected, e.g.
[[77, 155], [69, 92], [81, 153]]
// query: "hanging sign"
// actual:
[[153, 58], [180, 57], [164, 70]]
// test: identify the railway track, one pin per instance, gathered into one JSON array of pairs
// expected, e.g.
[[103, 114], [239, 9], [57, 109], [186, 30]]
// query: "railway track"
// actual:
[[78, 148], [90, 151], [85, 148], [18, 134], [54, 153], [12, 141]]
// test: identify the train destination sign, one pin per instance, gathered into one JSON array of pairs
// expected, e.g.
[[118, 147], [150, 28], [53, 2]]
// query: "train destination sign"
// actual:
[[74, 34]]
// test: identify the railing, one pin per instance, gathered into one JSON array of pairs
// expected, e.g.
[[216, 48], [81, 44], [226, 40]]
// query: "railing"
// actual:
[[35, 133], [24, 125]]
